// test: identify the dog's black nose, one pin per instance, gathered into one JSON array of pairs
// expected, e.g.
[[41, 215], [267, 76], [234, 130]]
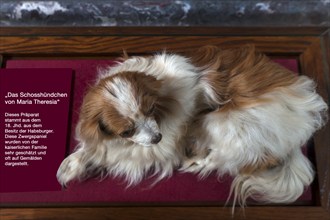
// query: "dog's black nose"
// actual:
[[156, 138]]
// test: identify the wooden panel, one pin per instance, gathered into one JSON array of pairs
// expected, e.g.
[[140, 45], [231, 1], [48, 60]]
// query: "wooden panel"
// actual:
[[314, 65], [161, 31], [52, 45], [184, 213]]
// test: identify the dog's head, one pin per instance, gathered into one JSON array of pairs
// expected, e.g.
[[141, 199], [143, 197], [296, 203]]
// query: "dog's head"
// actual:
[[127, 106]]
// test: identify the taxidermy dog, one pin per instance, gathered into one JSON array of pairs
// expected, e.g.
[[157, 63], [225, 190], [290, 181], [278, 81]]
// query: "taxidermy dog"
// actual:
[[254, 117], [133, 120], [233, 110]]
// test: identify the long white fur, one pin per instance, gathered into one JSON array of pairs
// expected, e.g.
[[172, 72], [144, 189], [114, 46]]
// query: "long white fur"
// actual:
[[282, 184], [278, 128], [133, 161], [231, 139]]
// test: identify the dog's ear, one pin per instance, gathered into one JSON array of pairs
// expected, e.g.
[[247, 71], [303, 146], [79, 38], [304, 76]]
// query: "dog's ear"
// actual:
[[104, 129], [88, 127], [88, 130]]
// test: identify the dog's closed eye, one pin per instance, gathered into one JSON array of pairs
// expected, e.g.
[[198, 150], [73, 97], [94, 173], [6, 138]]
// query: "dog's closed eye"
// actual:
[[128, 133], [209, 110]]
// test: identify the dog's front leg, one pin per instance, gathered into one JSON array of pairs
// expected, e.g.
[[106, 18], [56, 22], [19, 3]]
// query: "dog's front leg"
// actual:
[[197, 161], [201, 165], [195, 164], [72, 167]]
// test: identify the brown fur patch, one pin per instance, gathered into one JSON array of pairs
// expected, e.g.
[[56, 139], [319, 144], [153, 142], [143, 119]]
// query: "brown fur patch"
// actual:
[[267, 162], [93, 111], [101, 119], [239, 77]]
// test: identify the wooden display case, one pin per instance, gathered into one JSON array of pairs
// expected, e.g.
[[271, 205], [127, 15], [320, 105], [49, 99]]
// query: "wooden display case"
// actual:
[[310, 46]]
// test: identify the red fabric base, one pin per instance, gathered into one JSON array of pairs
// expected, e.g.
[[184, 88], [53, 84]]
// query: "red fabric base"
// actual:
[[179, 188]]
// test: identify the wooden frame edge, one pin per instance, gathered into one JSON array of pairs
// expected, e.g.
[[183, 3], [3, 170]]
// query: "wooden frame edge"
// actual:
[[159, 31], [272, 212]]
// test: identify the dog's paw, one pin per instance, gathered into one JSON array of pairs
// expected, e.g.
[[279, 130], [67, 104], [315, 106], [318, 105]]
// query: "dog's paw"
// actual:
[[193, 165], [69, 169]]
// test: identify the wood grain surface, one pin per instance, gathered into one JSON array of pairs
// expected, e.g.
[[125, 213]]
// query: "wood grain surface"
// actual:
[[184, 213], [105, 45]]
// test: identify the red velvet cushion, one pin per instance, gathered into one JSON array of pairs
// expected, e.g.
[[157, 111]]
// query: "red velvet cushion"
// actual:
[[185, 188]]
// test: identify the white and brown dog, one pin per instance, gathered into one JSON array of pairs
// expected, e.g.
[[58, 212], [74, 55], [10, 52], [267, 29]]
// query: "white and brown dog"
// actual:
[[133, 120], [251, 117]]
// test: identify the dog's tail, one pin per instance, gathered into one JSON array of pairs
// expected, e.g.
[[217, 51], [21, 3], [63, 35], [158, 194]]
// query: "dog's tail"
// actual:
[[281, 184]]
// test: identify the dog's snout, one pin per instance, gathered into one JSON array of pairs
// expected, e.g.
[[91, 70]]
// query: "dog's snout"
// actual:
[[156, 138]]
